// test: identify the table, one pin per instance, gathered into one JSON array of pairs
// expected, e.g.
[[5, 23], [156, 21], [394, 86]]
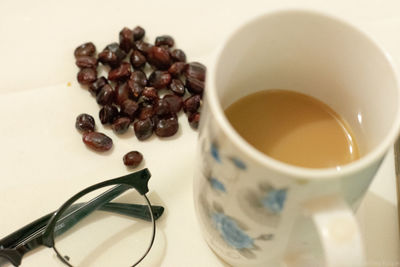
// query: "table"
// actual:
[[44, 162]]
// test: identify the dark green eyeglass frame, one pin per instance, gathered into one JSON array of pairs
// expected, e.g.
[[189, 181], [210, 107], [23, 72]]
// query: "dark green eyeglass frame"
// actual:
[[43, 230]]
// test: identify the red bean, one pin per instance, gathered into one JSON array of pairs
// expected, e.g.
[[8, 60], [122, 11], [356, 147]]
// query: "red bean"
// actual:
[[195, 70], [136, 89], [86, 76], [177, 87], [192, 104], [137, 59], [178, 55], [108, 114], [86, 49], [143, 129], [95, 87], [194, 85], [175, 102], [133, 159], [150, 94], [129, 108], [106, 95], [139, 77], [121, 125], [112, 55], [146, 111], [177, 68], [97, 141], [159, 58], [126, 39], [167, 127], [121, 73], [194, 119], [85, 123], [138, 33], [143, 47], [122, 93], [159, 79], [165, 40], [163, 109], [86, 62]]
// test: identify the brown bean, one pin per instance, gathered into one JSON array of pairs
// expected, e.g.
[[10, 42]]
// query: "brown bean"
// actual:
[[175, 102], [122, 93], [126, 39], [133, 159], [137, 59], [150, 94], [138, 33], [143, 129], [121, 73], [85, 123], [121, 125], [194, 119], [129, 108], [97, 141], [159, 79], [139, 77], [145, 111], [86, 76], [159, 58], [195, 70], [177, 68], [136, 89], [95, 87], [86, 49], [165, 40], [194, 85], [167, 127], [106, 95], [143, 47], [178, 55], [192, 104], [177, 87], [108, 114], [86, 62]]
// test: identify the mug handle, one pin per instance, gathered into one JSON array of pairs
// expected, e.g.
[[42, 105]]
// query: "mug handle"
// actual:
[[338, 231]]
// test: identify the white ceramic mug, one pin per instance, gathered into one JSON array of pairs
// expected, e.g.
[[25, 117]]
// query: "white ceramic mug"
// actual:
[[257, 211]]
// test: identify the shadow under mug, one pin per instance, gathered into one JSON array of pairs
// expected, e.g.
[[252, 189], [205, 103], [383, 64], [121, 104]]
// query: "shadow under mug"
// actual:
[[250, 206]]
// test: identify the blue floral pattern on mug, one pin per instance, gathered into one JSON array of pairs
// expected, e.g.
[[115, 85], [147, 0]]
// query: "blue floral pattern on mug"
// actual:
[[216, 184], [215, 152], [231, 232], [238, 163], [274, 200]]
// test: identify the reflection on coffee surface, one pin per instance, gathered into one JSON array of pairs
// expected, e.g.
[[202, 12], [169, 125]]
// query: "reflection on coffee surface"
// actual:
[[294, 128]]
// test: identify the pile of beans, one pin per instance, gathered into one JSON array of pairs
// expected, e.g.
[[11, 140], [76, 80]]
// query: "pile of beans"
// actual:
[[147, 86]]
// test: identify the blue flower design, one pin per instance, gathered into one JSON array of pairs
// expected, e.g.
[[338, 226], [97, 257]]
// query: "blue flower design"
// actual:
[[274, 200], [231, 232], [217, 185], [238, 163], [215, 153]]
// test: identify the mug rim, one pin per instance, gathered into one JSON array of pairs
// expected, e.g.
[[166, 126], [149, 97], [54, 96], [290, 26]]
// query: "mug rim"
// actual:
[[369, 158]]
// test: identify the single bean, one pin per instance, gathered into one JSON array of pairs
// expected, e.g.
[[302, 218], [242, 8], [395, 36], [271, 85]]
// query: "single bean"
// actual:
[[86, 76], [133, 159], [97, 141], [85, 123], [143, 129], [86, 49]]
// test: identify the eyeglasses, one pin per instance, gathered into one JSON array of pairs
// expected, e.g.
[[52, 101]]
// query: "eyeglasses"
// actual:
[[91, 228]]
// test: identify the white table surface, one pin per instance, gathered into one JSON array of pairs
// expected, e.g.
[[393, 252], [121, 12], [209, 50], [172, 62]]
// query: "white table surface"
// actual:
[[44, 162]]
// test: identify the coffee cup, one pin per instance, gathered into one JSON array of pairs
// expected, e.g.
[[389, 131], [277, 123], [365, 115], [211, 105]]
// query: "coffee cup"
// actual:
[[254, 210]]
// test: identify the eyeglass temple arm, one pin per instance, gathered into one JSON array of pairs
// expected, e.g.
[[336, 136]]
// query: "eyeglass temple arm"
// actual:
[[37, 226]]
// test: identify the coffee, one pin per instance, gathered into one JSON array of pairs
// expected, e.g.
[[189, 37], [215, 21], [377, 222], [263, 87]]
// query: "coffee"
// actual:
[[294, 128]]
